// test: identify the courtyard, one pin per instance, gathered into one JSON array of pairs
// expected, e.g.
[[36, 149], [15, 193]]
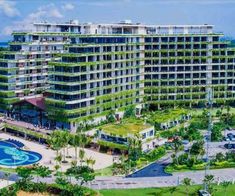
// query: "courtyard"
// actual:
[[48, 155]]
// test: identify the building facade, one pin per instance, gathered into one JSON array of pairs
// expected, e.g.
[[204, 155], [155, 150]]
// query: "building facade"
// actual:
[[98, 68]]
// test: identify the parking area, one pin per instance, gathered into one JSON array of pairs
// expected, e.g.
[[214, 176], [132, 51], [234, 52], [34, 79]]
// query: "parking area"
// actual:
[[222, 146]]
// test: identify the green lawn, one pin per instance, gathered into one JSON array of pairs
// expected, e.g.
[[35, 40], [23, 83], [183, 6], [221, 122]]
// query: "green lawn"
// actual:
[[131, 126], [180, 191], [104, 172], [8, 170], [170, 114], [197, 112]]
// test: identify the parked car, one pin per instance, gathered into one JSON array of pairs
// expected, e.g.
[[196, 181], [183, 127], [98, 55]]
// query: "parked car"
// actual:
[[206, 138], [230, 135], [229, 146], [203, 193], [226, 139], [232, 138], [185, 142]]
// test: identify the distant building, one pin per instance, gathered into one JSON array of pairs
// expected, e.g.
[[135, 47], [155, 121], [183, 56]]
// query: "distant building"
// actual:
[[121, 134], [86, 70]]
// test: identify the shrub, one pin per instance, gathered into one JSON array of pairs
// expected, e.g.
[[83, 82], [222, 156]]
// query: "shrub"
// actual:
[[216, 133], [155, 154]]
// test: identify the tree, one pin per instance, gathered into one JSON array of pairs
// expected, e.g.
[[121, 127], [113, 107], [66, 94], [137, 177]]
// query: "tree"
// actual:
[[41, 171], [56, 141], [83, 140], [81, 156], [62, 181], [129, 112], [216, 132], [226, 117], [225, 185], [58, 158], [67, 142], [65, 138], [177, 146], [90, 162], [218, 113], [219, 157], [25, 175], [75, 141], [134, 147], [187, 182], [172, 189], [208, 180], [82, 174], [111, 116], [198, 148]]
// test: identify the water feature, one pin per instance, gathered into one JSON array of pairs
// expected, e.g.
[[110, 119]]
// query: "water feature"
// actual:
[[10, 155]]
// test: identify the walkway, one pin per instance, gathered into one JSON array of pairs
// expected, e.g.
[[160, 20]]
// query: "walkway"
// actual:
[[25, 125], [147, 182], [48, 155]]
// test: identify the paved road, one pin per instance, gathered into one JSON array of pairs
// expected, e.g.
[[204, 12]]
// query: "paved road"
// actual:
[[163, 181], [155, 177]]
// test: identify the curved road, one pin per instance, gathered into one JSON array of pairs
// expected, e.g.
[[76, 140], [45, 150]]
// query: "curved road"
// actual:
[[161, 181]]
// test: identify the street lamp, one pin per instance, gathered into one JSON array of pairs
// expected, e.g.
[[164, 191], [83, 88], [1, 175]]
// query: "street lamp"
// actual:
[[208, 138]]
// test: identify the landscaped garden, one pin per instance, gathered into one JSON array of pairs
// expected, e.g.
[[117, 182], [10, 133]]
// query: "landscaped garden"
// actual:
[[168, 118], [126, 127], [61, 186], [169, 191], [131, 155], [193, 158]]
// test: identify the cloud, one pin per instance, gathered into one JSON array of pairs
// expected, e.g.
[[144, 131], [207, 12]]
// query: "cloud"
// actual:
[[48, 12], [8, 8], [207, 2], [43, 12], [103, 3], [55, 13], [68, 6]]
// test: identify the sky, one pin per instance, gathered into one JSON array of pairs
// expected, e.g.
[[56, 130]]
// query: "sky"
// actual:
[[19, 14]]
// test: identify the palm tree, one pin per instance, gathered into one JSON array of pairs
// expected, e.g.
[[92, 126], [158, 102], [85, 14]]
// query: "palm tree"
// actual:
[[74, 163], [83, 140], [81, 156], [75, 142], [67, 140], [228, 108], [134, 147], [92, 162], [208, 180], [88, 161], [197, 148], [58, 159], [225, 185], [55, 141], [57, 167], [177, 146], [187, 182], [172, 189], [42, 171]]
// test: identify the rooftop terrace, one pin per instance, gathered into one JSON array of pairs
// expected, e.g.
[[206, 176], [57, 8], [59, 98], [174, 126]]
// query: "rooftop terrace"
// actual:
[[125, 128]]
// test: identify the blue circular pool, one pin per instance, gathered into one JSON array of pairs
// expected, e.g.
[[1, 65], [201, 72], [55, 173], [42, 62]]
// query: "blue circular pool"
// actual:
[[10, 155]]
